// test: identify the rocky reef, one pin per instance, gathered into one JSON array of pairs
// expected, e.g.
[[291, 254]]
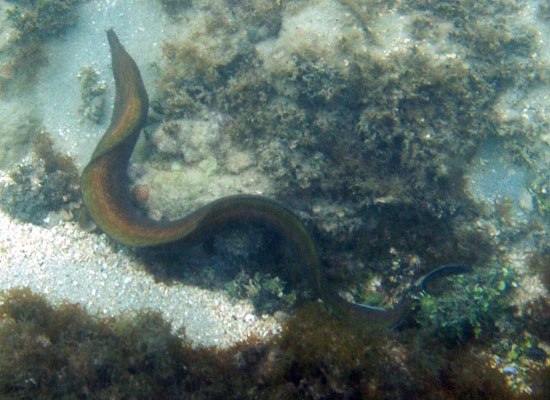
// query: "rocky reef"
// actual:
[[370, 125], [370, 138], [382, 125]]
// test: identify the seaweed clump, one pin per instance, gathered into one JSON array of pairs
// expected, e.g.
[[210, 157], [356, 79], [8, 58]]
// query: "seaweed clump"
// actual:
[[472, 312], [266, 292], [47, 182], [92, 95], [52, 352], [42, 18], [35, 21], [537, 321]]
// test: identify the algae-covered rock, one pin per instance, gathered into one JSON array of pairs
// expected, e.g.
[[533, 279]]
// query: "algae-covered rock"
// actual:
[[342, 110], [42, 184], [33, 21], [92, 95]]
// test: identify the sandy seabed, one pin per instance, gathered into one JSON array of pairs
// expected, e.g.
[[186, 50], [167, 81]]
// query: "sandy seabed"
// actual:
[[67, 264]]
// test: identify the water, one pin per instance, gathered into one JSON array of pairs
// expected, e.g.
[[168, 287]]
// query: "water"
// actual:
[[404, 135]]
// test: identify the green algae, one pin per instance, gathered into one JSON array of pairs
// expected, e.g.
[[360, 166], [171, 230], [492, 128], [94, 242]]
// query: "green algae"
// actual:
[[266, 292], [478, 302]]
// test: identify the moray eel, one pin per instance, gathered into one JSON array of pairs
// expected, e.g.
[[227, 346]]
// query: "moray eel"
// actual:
[[438, 273], [104, 185]]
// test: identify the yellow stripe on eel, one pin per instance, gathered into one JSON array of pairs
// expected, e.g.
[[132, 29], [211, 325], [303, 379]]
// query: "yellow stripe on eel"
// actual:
[[106, 194]]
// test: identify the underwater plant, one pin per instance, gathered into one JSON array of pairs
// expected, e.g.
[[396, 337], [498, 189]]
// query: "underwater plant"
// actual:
[[42, 18], [457, 316], [35, 21], [62, 351]]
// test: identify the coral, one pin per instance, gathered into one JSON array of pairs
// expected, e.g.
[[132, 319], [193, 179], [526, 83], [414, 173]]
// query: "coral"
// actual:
[[46, 183], [342, 127]]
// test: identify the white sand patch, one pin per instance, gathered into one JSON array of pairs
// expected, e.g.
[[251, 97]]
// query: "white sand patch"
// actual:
[[66, 264]]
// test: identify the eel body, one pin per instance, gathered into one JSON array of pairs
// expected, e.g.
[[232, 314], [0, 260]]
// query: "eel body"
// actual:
[[104, 185]]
